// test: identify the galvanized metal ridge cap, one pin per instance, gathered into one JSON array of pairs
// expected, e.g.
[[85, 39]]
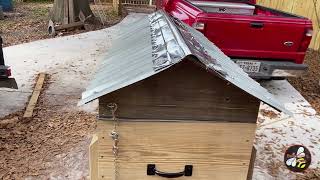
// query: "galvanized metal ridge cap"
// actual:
[[168, 47], [197, 47], [176, 33]]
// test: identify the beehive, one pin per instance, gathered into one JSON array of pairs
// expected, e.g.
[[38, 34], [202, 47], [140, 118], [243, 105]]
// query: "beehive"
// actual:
[[181, 116], [184, 109]]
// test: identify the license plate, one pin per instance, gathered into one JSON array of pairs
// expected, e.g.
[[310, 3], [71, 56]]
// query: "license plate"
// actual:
[[249, 66]]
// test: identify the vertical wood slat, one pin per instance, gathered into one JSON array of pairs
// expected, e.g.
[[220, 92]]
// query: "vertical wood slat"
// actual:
[[71, 11], [66, 12], [286, 5], [316, 21], [306, 9], [115, 4]]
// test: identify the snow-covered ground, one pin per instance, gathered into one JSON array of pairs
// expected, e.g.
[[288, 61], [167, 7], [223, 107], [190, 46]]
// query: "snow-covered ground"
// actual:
[[71, 62]]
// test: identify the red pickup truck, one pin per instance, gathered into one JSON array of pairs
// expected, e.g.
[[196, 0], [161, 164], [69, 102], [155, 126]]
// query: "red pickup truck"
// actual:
[[265, 42]]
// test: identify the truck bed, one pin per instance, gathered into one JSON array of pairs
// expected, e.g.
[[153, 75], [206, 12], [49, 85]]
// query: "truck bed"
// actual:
[[211, 7], [266, 34]]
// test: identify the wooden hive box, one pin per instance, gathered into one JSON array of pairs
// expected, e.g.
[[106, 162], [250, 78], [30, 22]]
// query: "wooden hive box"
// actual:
[[182, 116], [184, 109]]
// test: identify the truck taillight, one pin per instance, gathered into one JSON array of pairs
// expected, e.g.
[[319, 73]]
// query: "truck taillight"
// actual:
[[306, 40], [309, 33], [199, 26]]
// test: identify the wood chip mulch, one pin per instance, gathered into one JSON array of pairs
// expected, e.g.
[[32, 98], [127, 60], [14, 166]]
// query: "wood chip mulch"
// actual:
[[309, 84]]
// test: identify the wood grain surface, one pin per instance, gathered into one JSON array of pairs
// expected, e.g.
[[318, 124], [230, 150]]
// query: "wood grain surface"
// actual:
[[216, 150], [184, 91], [35, 95]]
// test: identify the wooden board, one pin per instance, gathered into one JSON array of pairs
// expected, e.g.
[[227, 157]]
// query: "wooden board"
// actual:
[[184, 91], [35, 95], [70, 25], [216, 150], [65, 12], [71, 11], [116, 4], [93, 157]]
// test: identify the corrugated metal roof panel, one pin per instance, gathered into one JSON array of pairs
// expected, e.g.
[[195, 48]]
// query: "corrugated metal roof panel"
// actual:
[[156, 43], [134, 56], [215, 59], [128, 61]]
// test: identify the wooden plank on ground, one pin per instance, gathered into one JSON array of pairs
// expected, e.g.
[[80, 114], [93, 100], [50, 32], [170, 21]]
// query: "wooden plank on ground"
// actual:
[[35, 95], [68, 26]]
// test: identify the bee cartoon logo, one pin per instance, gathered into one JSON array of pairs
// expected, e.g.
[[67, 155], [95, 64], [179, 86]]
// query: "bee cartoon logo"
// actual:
[[297, 158]]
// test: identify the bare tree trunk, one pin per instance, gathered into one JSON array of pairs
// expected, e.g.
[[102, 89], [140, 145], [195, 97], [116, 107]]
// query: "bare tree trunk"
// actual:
[[58, 12]]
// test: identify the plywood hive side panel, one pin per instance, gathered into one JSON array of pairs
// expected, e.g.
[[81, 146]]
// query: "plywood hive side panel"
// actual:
[[185, 91], [216, 150]]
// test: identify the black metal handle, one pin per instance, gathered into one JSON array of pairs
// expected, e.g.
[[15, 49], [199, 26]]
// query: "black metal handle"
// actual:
[[151, 171], [257, 24]]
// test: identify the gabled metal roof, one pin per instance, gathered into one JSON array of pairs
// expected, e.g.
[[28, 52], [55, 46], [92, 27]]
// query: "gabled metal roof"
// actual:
[[154, 44]]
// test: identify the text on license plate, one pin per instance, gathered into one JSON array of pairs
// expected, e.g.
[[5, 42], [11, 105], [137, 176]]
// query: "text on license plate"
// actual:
[[249, 66]]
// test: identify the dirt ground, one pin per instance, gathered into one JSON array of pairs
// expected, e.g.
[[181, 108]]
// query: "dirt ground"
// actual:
[[29, 22], [309, 84], [37, 148]]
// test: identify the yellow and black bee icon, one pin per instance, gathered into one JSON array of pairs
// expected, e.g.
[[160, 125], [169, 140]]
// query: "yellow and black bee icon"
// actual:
[[297, 158]]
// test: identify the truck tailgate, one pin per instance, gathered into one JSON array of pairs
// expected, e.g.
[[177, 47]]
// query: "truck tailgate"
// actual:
[[259, 37]]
